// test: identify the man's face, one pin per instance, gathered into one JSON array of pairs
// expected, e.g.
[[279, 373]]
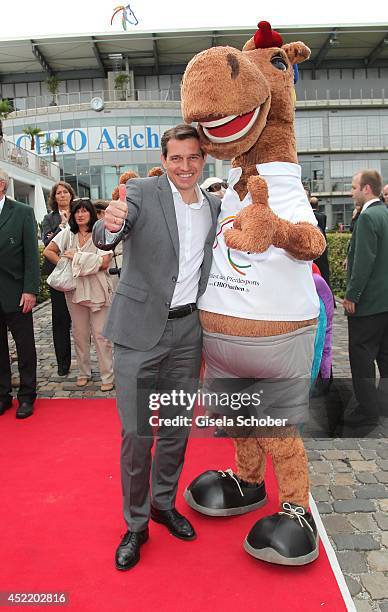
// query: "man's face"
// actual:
[[385, 193], [184, 163], [358, 194]]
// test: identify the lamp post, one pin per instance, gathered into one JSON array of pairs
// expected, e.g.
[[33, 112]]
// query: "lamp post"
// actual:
[[118, 170]]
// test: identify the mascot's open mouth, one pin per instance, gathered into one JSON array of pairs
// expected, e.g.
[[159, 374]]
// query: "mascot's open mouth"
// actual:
[[228, 129]]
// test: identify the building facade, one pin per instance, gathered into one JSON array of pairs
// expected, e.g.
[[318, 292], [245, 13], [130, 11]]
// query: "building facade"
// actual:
[[341, 110]]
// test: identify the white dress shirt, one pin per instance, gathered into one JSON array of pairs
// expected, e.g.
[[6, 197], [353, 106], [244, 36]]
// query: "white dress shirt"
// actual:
[[2, 204], [368, 203], [194, 222]]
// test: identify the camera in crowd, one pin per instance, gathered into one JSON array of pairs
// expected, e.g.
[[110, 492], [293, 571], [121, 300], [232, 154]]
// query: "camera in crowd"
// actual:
[[115, 271]]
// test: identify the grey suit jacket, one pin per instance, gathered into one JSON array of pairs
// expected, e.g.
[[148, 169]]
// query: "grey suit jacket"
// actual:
[[139, 311]]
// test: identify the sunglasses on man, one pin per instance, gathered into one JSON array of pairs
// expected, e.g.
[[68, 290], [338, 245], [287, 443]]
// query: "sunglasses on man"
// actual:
[[217, 187]]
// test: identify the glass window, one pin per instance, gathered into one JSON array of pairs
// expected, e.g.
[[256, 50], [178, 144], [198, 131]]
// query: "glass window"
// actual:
[[309, 133], [312, 175], [347, 168], [355, 131], [342, 214]]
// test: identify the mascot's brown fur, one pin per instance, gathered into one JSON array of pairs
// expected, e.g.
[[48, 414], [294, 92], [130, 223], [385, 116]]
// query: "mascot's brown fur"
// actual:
[[126, 176], [251, 79]]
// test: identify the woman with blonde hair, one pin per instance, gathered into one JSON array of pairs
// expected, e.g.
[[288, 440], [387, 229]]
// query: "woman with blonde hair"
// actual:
[[88, 304]]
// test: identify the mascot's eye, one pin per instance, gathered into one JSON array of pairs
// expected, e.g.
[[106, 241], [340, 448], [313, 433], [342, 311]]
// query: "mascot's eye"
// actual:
[[279, 63]]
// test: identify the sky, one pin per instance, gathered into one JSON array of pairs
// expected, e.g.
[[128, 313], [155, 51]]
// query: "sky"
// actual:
[[45, 17]]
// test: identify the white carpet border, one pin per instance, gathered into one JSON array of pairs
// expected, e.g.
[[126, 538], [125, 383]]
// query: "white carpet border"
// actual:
[[343, 587]]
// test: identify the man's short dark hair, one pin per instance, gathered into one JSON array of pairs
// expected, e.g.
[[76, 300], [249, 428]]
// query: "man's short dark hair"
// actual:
[[179, 132], [373, 179]]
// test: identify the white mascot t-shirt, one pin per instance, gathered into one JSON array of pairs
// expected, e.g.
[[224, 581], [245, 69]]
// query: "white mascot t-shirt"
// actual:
[[272, 286]]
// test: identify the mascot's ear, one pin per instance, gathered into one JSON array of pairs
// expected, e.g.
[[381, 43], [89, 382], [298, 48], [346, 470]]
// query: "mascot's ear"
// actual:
[[297, 52], [249, 45]]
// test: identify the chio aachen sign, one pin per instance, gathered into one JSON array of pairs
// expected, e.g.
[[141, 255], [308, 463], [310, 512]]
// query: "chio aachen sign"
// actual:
[[98, 139]]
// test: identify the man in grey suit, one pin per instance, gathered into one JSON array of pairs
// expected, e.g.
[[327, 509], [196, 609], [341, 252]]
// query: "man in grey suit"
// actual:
[[168, 226]]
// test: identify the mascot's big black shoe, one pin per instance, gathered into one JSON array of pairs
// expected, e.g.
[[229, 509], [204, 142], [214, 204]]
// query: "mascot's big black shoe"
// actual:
[[222, 493], [288, 537]]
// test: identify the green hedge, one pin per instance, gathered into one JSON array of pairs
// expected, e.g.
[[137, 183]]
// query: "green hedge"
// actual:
[[44, 293], [337, 244]]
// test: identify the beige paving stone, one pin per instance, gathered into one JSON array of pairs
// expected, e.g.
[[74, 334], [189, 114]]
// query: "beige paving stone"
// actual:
[[344, 479], [383, 503], [363, 522], [363, 466], [376, 584], [378, 560]]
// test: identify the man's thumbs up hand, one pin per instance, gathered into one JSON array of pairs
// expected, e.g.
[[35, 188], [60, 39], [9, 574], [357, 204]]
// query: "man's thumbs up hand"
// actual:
[[116, 212], [123, 193]]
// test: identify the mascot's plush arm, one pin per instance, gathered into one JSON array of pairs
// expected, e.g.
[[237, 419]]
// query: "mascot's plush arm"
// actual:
[[256, 228]]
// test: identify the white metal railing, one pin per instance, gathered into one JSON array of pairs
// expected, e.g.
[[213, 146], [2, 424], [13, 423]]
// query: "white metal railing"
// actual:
[[28, 160], [351, 96], [85, 97], [305, 97]]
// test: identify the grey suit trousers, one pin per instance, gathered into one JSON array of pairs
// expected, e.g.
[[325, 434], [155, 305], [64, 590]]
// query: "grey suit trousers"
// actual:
[[174, 363]]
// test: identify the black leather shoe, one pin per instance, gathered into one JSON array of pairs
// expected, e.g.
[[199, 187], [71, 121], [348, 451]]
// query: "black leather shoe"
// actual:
[[24, 410], [223, 493], [288, 537], [177, 524], [360, 419], [63, 371], [220, 433], [5, 404], [128, 552]]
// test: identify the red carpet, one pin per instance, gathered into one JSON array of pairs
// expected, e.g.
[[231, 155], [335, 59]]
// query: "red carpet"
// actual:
[[61, 521]]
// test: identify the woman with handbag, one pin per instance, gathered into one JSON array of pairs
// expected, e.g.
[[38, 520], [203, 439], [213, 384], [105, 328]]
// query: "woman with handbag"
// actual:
[[60, 200], [89, 296]]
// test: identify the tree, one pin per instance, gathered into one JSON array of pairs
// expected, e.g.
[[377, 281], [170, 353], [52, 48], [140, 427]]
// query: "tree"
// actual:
[[53, 86], [5, 110], [32, 132], [121, 81], [51, 145]]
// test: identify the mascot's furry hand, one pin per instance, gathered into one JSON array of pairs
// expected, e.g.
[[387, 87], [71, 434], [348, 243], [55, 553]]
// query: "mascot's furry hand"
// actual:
[[255, 227]]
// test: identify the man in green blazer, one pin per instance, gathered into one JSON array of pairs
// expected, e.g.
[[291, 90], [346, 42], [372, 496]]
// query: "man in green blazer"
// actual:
[[366, 301], [19, 286]]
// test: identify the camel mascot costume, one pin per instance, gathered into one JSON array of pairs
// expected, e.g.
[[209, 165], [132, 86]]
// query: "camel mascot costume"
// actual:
[[260, 309]]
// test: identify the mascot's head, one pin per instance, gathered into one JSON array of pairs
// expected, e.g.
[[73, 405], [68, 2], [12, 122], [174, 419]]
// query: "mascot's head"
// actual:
[[233, 95]]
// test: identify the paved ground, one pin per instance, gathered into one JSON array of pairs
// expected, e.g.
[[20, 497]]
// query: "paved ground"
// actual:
[[349, 476]]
